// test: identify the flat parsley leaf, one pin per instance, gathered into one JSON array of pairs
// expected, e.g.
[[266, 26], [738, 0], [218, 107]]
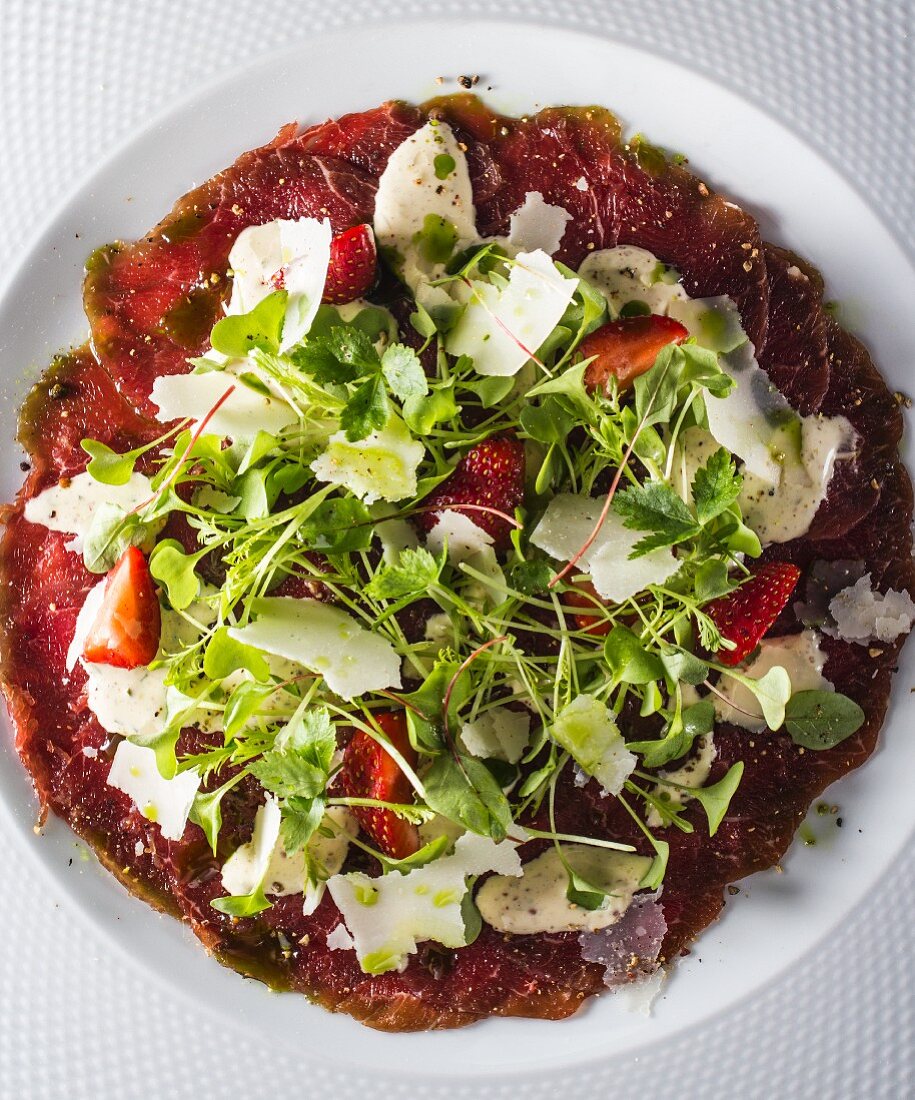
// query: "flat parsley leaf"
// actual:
[[716, 485], [654, 507], [403, 372], [414, 573], [289, 774], [367, 410]]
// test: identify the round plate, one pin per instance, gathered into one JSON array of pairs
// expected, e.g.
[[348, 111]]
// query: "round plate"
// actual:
[[799, 201]]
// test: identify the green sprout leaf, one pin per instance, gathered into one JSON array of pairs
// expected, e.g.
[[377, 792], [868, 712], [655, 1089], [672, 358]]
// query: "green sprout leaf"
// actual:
[[822, 719], [262, 328], [169, 564], [716, 485], [224, 656], [716, 798]]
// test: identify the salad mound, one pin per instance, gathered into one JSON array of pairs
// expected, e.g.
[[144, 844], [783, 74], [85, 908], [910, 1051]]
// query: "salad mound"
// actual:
[[463, 549]]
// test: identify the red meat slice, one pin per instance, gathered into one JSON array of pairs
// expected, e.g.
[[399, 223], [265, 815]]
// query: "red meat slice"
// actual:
[[795, 355], [152, 303], [576, 159]]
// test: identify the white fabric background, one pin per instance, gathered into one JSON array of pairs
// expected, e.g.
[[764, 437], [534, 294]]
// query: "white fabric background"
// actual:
[[79, 76]]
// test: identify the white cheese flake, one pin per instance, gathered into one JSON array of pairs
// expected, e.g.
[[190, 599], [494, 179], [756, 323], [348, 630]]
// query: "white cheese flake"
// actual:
[[501, 328], [293, 255], [240, 417], [498, 734], [537, 224], [862, 614], [388, 916], [380, 467], [325, 640], [164, 801], [461, 535], [536, 901], [245, 871], [586, 728], [567, 524], [340, 939]]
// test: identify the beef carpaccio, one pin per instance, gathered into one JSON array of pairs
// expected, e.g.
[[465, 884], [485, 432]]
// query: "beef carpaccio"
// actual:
[[151, 305]]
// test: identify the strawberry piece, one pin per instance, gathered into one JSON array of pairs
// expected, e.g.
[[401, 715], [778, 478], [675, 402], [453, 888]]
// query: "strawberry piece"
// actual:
[[126, 629], [581, 602], [353, 262], [746, 614], [369, 772], [490, 475], [627, 348]]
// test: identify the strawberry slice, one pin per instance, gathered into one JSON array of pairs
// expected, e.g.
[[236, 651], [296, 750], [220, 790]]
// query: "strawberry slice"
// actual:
[[746, 614], [126, 629], [369, 772], [627, 348], [353, 262], [490, 475]]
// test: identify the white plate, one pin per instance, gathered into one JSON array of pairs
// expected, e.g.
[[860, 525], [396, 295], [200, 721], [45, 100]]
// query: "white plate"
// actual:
[[800, 200]]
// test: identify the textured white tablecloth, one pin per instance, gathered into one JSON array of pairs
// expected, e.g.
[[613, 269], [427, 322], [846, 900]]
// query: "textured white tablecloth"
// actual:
[[79, 76]]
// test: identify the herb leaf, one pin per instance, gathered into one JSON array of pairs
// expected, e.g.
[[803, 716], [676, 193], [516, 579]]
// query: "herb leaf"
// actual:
[[716, 485], [403, 372], [366, 411], [822, 719], [655, 507], [261, 328]]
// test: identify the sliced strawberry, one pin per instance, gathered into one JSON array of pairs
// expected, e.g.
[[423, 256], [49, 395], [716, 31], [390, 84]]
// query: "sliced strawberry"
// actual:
[[353, 262], [369, 772], [627, 348], [746, 614], [490, 475], [126, 629], [582, 601]]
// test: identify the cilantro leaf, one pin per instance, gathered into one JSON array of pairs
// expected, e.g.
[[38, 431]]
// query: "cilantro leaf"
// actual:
[[403, 372], [414, 573], [288, 774], [353, 347], [654, 507], [366, 411], [716, 485], [312, 735], [299, 820]]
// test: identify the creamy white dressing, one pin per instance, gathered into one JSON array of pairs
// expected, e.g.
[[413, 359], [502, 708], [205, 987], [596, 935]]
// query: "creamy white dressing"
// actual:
[[798, 654], [779, 513], [70, 505], [692, 773], [629, 274], [537, 902]]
